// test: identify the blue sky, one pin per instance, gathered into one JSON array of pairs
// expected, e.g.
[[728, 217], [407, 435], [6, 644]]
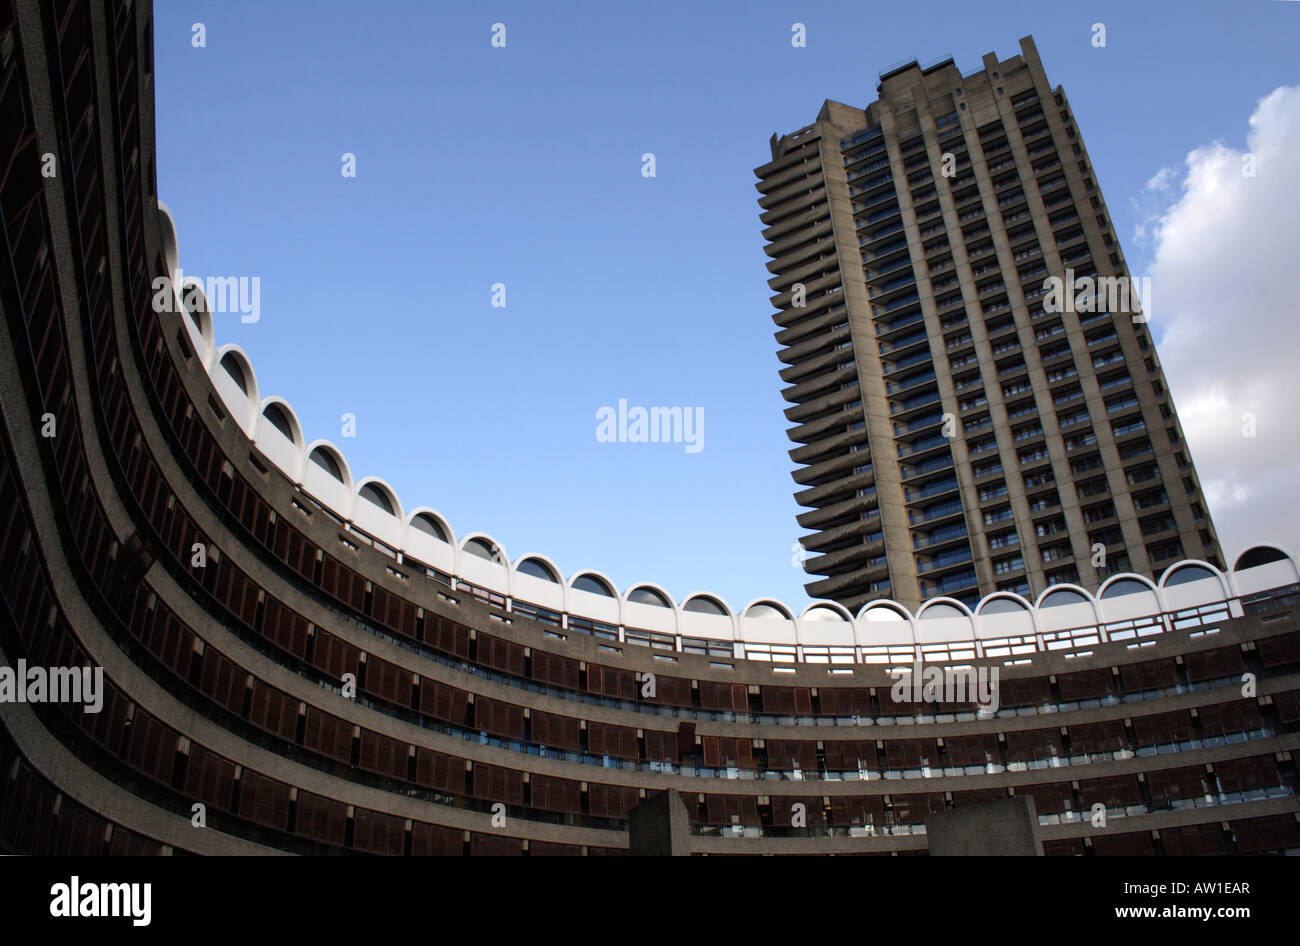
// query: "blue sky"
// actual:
[[522, 166]]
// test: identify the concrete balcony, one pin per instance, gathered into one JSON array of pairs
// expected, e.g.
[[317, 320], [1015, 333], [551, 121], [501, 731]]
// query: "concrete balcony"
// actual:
[[814, 387], [856, 504], [815, 291], [795, 354], [829, 260], [793, 223], [842, 441], [796, 191], [807, 474], [793, 202], [829, 537], [817, 316], [816, 495], [780, 247], [806, 409], [802, 252], [815, 430], [815, 364]]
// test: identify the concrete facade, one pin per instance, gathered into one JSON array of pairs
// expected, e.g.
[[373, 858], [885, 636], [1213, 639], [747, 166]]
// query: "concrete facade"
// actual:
[[956, 438], [1005, 828]]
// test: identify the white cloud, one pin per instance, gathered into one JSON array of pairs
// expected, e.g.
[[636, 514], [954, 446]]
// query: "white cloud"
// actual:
[[1151, 202], [1161, 179], [1225, 277]]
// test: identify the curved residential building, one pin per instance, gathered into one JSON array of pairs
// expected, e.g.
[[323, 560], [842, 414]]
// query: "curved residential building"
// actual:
[[289, 652]]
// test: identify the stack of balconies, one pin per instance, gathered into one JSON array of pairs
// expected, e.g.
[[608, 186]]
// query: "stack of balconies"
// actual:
[[833, 453]]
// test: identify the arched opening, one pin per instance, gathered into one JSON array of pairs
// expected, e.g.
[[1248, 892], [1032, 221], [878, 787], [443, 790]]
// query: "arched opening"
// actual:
[[429, 525], [882, 613], [941, 609], [192, 310], [377, 495], [767, 611], [593, 584], [1125, 586], [279, 419], [537, 569], [195, 305], [230, 362], [821, 612], [1259, 555], [328, 462], [645, 595], [167, 228], [1182, 574], [1062, 597], [703, 604], [1003, 606], [482, 548]]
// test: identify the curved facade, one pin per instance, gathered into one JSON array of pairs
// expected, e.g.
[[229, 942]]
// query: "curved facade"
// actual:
[[327, 667]]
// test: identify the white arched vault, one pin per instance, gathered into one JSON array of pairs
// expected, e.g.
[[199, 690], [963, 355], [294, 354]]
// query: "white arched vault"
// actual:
[[286, 452]]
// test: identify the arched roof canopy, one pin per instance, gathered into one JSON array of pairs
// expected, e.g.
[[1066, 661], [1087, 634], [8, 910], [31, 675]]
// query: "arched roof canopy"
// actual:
[[704, 603], [943, 620], [1065, 607], [942, 608], [379, 494], [277, 410], [1003, 615], [170, 242], [1193, 583], [195, 304], [1003, 602], [826, 611], [538, 566], [1061, 595], [234, 361], [593, 583], [328, 457], [279, 438], [1126, 596], [876, 611], [1262, 567], [1258, 555], [1181, 573], [483, 546], [767, 609], [429, 522], [1118, 586], [646, 593]]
